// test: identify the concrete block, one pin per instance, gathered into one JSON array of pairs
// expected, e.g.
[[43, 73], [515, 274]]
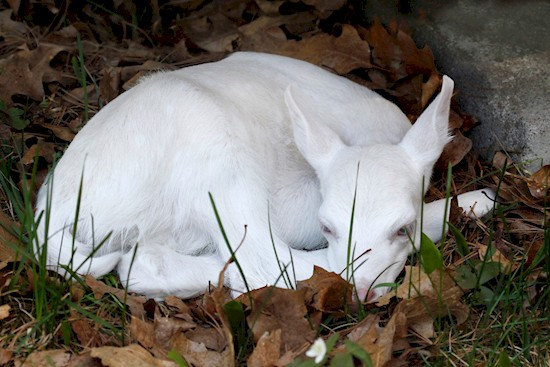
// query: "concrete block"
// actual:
[[498, 52]]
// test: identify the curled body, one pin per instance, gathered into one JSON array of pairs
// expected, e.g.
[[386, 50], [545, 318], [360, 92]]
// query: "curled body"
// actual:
[[278, 143]]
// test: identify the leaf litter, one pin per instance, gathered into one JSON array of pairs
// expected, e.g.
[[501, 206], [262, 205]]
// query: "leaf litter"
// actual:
[[274, 326]]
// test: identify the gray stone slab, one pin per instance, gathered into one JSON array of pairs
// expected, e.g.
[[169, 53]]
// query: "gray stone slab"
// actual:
[[498, 52]]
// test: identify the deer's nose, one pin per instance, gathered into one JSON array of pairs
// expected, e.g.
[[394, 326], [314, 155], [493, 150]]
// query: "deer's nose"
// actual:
[[366, 295]]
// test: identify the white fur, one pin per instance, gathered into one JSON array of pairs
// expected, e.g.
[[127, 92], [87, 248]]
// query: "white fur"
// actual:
[[261, 133]]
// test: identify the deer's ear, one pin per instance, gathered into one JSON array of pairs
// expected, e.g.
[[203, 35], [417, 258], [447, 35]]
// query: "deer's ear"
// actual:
[[425, 140], [316, 141]]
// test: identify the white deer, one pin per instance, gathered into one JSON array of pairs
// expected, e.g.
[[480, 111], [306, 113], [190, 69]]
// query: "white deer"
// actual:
[[263, 134]]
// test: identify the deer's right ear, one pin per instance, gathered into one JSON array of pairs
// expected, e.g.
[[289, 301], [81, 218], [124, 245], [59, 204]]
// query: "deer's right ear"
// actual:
[[316, 141], [426, 139]]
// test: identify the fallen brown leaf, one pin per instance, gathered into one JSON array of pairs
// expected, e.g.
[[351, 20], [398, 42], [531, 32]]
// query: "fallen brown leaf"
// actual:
[[341, 54], [7, 240], [368, 329], [41, 149], [455, 150], [269, 6], [4, 311], [378, 341], [135, 303], [166, 328], [498, 257], [142, 331], [212, 338], [5, 356], [84, 329], [76, 96], [284, 309], [539, 182], [109, 84], [326, 6], [198, 355], [326, 291], [8, 26], [413, 59], [426, 297], [429, 88], [131, 356], [26, 70], [62, 132], [267, 351], [184, 311], [84, 360], [214, 32], [385, 48], [500, 160], [50, 358]]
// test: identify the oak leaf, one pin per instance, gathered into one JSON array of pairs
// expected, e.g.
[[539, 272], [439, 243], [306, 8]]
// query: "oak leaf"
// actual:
[[130, 356], [341, 54], [267, 351], [284, 309], [26, 70], [54, 358]]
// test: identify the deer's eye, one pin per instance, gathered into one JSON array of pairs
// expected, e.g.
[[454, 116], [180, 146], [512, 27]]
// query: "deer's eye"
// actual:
[[326, 230], [406, 231]]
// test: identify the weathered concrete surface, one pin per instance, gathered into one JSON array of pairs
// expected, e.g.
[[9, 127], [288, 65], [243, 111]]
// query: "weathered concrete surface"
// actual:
[[498, 52]]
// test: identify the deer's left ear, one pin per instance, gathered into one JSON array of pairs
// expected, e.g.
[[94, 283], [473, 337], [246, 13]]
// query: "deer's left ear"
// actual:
[[426, 139], [317, 142]]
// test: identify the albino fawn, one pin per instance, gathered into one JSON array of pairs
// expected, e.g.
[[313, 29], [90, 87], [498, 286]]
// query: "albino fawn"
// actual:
[[263, 134]]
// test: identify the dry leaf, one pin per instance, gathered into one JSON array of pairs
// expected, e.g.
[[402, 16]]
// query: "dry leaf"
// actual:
[[7, 240], [109, 83], [135, 303], [131, 356], [426, 297], [269, 6], [198, 355], [9, 26], [415, 60], [62, 132], [142, 331], [50, 358], [539, 182], [454, 151], [84, 360], [41, 149], [498, 257], [363, 329], [385, 48], [165, 328], [265, 22], [500, 159], [341, 54], [326, 291], [26, 70], [177, 303], [84, 329], [429, 88], [212, 338], [326, 6], [267, 351], [4, 311], [276, 308], [5, 356], [76, 95], [377, 341], [214, 33]]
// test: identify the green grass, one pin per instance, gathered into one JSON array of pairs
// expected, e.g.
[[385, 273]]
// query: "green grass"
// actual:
[[47, 302]]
